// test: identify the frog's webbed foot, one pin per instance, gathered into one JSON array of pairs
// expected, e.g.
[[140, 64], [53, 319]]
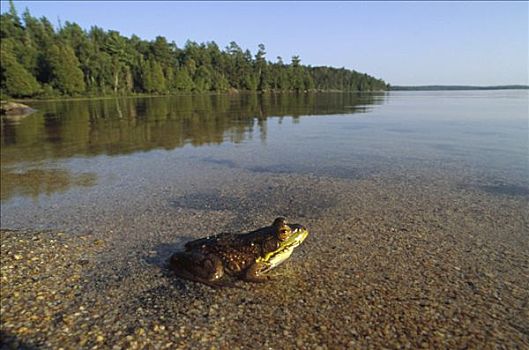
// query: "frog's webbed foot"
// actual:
[[255, 273], [275, 276]]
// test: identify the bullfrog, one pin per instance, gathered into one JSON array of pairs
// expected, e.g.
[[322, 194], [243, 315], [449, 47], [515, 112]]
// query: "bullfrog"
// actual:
[[247, 256]]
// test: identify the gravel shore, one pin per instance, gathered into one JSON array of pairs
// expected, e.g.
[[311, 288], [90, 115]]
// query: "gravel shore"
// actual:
[[389, 263]]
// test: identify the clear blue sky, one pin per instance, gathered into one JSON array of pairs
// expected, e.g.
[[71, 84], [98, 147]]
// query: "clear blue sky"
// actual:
[[404, 43]]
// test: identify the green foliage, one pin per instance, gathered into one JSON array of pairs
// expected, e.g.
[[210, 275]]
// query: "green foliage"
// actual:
[[183, 81], [219, 82], [203, 79], [65, 74], [153, 77], [15, 80], [40, 60]]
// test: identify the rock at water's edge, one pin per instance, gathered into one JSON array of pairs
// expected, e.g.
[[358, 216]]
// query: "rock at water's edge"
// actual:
[[15, 109]]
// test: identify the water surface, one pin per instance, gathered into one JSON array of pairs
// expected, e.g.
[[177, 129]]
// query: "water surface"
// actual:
[[77, 164]]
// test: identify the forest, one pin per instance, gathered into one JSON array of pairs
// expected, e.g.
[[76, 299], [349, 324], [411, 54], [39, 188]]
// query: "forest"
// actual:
[[40, 61]]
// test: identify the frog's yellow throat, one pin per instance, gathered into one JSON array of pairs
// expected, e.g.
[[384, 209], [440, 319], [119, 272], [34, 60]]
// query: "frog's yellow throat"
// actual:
[[285, 249]]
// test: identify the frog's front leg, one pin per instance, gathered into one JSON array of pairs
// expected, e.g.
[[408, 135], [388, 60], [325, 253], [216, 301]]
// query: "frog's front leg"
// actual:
[[198, 267], [256, 272]]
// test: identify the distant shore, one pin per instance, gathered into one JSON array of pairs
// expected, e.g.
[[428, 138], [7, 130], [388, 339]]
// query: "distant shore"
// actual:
[[457, 87]]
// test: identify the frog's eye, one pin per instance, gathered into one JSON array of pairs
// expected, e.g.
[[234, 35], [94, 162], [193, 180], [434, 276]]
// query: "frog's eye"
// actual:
[[284, 232], [280, 221]]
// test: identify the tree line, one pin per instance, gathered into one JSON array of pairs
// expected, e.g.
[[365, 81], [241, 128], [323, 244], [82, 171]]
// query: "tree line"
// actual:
[[39, 61]]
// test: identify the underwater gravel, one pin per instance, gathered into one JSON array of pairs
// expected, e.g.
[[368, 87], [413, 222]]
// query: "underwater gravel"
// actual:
[[390, 263]]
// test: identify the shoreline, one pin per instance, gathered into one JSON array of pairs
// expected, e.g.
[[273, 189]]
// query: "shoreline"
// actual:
[[398, 88], [227, 93]]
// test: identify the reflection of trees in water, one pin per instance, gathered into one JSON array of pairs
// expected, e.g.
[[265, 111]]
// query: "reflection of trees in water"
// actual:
[[115, 126], [41, 181]]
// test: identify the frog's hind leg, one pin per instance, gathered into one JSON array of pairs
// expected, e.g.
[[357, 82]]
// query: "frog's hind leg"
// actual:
[[199, 268], [191, 277]]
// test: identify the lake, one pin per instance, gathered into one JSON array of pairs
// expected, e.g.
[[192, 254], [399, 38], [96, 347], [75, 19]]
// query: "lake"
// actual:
[[89, 155], [417, 204]]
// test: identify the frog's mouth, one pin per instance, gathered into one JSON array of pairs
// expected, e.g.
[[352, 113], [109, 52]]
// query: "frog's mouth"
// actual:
[[298, 235]]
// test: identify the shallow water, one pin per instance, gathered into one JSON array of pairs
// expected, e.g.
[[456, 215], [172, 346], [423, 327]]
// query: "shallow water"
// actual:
[[74, 165]]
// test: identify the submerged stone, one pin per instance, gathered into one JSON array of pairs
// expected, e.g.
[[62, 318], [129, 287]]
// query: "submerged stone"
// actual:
[[15, 109]]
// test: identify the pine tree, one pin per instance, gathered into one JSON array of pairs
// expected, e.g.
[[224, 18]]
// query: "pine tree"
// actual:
[[65, 74], [158, 79], [262, 69], [296, 74], [219, 82], [202, 79], [15, 80], [183, 81]]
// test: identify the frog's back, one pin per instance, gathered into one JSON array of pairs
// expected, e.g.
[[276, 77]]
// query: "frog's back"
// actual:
[[233, 240], [208, 241], [236, 251]]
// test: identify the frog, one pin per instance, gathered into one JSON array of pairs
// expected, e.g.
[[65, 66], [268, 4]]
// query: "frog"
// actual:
[[217, 259]]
